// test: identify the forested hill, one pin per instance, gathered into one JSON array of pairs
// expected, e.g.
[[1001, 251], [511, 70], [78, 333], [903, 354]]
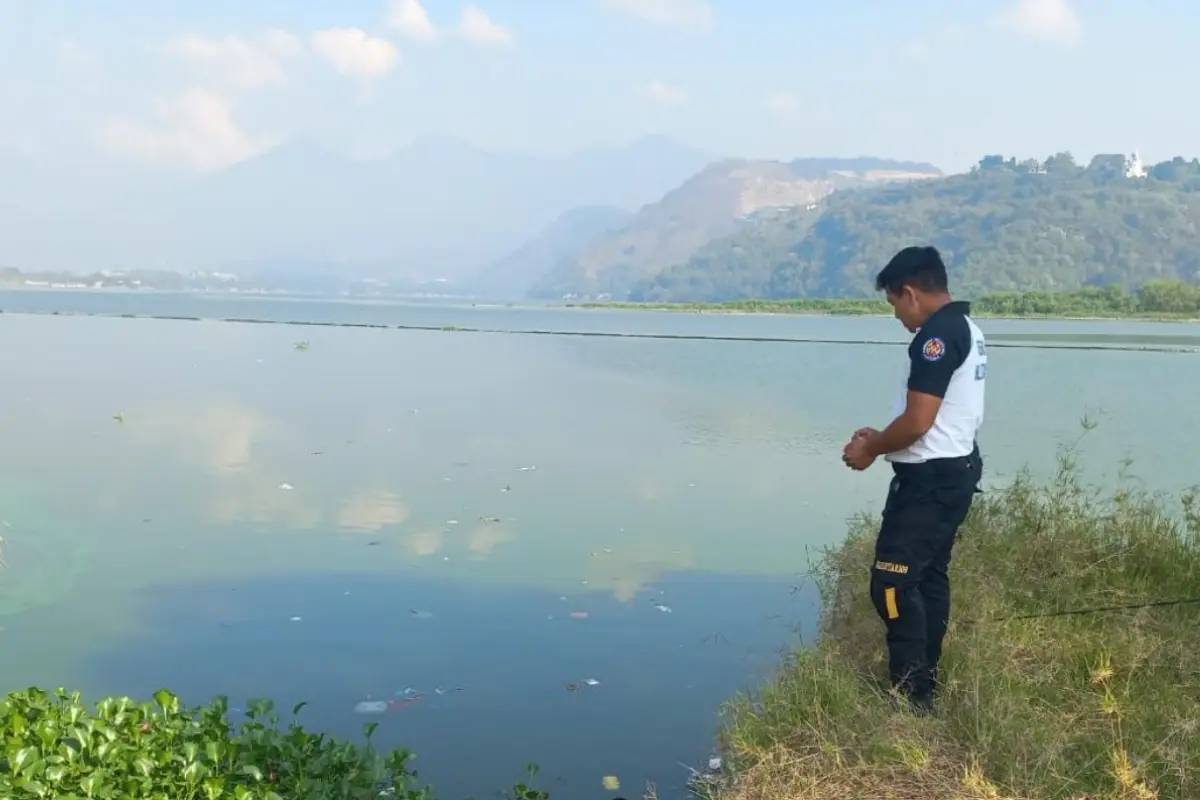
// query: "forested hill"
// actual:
[[1004, 226]]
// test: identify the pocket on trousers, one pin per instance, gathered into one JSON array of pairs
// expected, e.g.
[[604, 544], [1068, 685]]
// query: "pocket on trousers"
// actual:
[[954, 501]]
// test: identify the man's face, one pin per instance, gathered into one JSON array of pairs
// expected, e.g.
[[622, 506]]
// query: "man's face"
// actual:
[[905, 307]]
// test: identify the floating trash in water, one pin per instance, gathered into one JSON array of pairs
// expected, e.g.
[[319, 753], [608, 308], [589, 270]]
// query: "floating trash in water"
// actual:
[[119, 417], [439, 691], [451, 522], [287, 487], [592, 682], [664, 609], [703, 783], [489, 519], [611, 783], [371, 707], [506, 488], [396, 705], [416, 614], [526, 469], [295, 619], [301, 345], [408, 692], [579, 615]]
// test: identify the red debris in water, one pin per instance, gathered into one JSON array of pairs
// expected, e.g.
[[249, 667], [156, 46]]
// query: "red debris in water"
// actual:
[[398, 705]]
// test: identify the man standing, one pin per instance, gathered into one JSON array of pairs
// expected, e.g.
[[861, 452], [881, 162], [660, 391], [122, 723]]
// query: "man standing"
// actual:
[[932, 447]]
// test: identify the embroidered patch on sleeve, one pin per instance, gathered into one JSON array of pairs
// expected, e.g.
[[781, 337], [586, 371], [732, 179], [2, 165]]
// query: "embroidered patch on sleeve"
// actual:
[[933, 349]]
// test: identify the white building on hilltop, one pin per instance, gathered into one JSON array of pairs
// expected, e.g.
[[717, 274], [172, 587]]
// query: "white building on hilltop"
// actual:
[[1134, 168]]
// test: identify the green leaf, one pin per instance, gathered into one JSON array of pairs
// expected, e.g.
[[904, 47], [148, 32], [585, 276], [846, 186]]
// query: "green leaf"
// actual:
[[22, 759]]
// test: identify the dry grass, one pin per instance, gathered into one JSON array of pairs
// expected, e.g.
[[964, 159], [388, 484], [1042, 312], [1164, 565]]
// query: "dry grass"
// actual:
[[1103, 705]]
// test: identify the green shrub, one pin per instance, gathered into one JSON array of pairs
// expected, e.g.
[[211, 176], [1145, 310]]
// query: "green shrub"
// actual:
[[54, 747]]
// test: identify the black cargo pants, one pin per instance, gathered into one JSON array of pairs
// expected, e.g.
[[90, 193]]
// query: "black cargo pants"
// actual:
[[910, 583]]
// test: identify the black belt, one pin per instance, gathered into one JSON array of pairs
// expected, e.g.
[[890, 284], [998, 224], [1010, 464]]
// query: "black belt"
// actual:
[[939, 466]]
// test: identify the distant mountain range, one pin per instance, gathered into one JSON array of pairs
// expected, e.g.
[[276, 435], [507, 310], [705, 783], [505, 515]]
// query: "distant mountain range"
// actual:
[[716, 202], [438, 209], [561, 243], [652, 220]]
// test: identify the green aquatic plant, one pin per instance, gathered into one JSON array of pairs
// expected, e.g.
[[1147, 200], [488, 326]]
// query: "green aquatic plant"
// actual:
[[301, 345], [53, 746]]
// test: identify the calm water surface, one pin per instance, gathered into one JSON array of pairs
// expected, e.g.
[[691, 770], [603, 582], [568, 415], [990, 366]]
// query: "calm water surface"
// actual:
[[390, 513]]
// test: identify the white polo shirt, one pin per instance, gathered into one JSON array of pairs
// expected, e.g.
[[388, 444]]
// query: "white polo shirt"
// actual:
[[948, 359]]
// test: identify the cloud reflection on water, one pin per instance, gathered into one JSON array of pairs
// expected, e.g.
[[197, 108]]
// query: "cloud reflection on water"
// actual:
[[372, 509]]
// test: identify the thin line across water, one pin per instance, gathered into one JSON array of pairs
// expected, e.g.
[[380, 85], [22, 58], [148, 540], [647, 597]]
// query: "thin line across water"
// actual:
[[595, 334]]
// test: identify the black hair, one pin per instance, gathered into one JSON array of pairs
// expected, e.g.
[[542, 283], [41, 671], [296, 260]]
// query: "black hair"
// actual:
[[919, 267]]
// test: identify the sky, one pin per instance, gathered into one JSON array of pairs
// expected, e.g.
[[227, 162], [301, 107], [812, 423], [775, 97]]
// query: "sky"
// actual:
[[200, 85]]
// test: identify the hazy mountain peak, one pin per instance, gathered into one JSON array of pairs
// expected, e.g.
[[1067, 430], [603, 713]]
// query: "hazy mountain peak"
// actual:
[[440, 207], [710, 205]]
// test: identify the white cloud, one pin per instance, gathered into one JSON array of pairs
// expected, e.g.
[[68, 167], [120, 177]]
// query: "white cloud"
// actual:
[[476, 26], [693, 14], [352, 51], [282, 43], [235, 63], [783, 102], [1043, 20], [664, 93], [410, 18], [196, 129]]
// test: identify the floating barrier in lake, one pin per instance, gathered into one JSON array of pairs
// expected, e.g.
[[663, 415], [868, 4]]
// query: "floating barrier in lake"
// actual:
[[993, 342]]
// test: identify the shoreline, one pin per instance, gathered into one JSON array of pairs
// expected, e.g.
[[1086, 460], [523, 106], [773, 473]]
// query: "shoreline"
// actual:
[[765, 308], [1066, 673], [718, 310], [1061, 667]]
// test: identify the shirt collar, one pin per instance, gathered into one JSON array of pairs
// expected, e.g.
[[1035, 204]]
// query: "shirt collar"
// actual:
[[960, 307]]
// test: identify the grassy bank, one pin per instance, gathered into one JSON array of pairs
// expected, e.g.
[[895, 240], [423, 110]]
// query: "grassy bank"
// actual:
[[1100, 705], [1162, 300]]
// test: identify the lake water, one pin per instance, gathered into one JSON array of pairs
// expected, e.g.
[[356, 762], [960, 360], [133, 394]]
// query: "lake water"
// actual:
[[428, 514]]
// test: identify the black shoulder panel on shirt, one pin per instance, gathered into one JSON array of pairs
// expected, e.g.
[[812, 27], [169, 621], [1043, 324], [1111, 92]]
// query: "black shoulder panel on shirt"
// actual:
[[937, 351]]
